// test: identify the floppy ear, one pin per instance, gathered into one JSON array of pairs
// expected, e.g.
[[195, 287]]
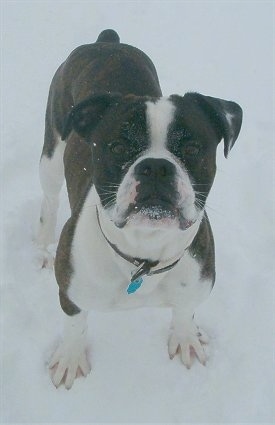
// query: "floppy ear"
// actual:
[[87, 114], [225, 115]]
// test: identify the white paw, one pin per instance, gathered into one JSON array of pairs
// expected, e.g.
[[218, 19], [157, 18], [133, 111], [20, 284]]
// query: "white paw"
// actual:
[[67, 364], [188, 343], [45, 257]]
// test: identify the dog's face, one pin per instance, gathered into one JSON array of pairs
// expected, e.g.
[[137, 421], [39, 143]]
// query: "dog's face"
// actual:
[[154, 159]]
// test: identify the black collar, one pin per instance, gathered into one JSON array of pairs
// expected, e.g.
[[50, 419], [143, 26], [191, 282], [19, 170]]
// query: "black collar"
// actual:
[[144, 267]]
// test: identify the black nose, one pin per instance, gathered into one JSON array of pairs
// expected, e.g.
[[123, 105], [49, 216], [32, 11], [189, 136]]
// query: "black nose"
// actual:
[[154, 168]]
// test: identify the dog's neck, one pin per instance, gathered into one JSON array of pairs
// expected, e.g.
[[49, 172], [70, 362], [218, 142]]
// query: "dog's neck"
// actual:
[[155, 244]]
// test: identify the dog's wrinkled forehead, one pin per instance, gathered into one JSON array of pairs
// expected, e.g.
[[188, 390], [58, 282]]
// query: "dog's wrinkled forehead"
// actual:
[[145, 124]]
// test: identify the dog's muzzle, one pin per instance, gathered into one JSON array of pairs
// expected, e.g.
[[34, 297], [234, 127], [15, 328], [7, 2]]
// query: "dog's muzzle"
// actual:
[[150, 195], [156, 195]]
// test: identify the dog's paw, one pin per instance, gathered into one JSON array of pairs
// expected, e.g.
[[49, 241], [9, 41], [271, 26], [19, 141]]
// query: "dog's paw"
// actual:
[[67, 364], [45, 257], [47, 260], [188, 344]]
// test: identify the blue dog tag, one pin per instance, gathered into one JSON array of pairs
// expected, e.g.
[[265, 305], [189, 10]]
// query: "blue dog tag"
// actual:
[[134, 286]]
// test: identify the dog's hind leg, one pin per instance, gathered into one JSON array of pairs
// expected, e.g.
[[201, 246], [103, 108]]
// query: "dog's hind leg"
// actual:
[[51, 172]]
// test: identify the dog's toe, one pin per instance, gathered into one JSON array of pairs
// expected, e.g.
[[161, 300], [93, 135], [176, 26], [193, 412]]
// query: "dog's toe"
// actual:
[[188, 345], [67, 366]]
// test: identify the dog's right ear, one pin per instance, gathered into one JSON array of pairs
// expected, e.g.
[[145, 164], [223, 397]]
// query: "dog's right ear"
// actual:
[[85, 116]]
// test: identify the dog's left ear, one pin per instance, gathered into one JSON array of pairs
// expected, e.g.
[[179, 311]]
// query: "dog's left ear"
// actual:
[[85, 116], [225, 115]]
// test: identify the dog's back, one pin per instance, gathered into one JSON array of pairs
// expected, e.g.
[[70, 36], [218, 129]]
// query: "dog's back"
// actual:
[[106, 66]]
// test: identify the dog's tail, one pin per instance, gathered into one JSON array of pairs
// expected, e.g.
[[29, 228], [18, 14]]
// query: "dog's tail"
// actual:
[[108, 36]]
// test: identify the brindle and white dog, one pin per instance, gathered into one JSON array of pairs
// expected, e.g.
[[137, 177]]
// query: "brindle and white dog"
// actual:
[[138, 169]]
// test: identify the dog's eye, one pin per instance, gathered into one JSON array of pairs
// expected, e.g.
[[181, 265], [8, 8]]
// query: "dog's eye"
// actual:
[[191, 149], [118, 148]]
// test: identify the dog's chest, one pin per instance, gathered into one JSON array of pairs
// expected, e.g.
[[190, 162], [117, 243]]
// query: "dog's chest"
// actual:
[[104, 287], [101, 278]]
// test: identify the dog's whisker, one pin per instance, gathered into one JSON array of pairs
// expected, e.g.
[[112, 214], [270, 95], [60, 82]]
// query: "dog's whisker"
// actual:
[[109, 201], [200, 195], [206, 206], [107, 191], [198, 192], [200, 184], [110, 185], [107, 194]]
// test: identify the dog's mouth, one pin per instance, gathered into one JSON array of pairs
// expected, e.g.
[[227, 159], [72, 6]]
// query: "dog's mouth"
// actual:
[[153, 209], [155, 214], [159, 214]]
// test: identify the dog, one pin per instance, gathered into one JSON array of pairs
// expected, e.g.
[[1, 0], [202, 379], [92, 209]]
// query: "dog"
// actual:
[[138, 169]]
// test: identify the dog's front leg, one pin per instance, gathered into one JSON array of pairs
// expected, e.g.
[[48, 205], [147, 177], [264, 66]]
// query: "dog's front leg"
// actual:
[[51, 172], [70, 359], [186, 338]]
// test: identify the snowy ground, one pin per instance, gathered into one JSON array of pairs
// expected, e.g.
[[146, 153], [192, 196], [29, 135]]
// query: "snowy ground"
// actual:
[[223, 49]]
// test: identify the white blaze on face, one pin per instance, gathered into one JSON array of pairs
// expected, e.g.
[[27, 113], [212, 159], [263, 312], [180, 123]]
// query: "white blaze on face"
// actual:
[[159, 116]]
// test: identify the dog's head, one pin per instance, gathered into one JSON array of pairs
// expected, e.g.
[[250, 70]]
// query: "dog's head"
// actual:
[[154, 159]]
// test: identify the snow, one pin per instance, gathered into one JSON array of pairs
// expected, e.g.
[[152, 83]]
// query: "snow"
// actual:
[[221, 49]]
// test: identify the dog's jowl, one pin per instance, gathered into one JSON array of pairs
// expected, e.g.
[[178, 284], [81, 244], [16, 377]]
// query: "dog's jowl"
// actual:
[[138, 169]]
